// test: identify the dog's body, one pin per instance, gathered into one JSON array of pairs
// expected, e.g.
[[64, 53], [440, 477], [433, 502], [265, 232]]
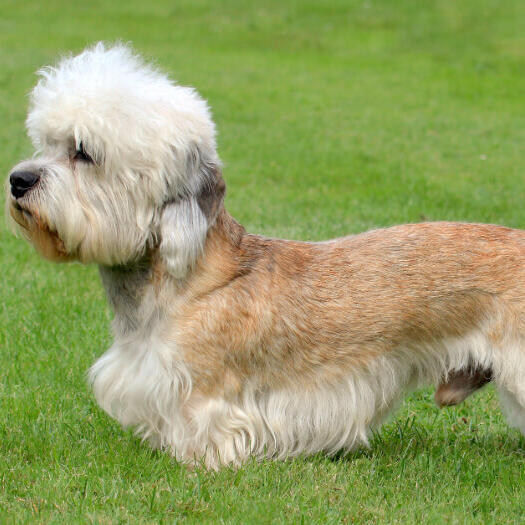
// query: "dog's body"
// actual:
[[229, 345], [279, 348]]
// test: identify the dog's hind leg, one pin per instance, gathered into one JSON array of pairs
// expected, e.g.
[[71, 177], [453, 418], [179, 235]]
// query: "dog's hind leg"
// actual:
[[512, 399], [513, 408], [509, 376]]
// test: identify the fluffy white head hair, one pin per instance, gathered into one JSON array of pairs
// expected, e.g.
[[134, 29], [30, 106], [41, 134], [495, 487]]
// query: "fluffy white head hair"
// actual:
[[123, 153]]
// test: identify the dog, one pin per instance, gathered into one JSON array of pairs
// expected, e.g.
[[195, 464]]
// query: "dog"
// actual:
[[229, 345]]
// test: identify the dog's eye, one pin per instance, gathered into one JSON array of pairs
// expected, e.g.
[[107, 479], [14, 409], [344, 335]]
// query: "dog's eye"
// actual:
[[81, 155]]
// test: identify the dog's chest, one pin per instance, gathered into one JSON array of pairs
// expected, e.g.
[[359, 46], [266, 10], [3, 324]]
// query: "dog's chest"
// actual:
[[141, 380], [141, 383]]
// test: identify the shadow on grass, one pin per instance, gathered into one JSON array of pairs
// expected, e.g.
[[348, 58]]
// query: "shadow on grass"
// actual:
[[408, 439]]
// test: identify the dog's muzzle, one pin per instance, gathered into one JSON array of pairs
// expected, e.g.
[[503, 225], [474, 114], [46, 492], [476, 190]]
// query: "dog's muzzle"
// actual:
[[21, 182]]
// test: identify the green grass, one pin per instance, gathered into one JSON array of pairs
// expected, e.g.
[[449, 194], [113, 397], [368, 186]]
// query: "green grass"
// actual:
[[334, 117]]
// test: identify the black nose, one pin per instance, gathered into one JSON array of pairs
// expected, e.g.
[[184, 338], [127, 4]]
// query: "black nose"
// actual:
[[22, 181]]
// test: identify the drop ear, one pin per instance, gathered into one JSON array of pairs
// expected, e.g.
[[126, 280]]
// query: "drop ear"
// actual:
[[211, 195], [185, 222]]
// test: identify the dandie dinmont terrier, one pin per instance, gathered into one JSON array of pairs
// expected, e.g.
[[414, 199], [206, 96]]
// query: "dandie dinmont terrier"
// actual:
[[230, 345]]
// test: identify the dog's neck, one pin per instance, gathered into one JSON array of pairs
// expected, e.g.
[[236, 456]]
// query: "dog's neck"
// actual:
[[143, 292], [128, 288]]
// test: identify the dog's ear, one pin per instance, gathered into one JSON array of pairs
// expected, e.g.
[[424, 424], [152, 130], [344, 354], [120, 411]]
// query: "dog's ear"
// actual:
[[210, 198], [185, 223]]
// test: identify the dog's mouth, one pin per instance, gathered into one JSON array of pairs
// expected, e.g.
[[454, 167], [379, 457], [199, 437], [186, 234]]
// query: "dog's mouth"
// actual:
[[45, 239], [20, 214]]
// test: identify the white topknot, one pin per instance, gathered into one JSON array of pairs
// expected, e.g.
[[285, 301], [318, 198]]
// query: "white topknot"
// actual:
[[126, 107]]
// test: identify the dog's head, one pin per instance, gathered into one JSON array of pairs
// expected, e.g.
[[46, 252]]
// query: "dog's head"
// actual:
[[125, 161]]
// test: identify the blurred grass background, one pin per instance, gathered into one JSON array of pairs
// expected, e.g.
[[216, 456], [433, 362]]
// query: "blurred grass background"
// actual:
[[334, 117]]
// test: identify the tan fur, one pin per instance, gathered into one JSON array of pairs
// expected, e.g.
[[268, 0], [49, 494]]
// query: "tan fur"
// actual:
[[283, 312], [46, 241]]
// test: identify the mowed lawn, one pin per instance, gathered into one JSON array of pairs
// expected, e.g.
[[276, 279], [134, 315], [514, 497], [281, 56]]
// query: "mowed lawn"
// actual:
[[334, 117]]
